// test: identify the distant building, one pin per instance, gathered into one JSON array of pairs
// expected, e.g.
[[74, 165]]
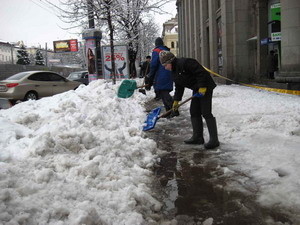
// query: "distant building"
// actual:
[[170, 35], [7, 53]]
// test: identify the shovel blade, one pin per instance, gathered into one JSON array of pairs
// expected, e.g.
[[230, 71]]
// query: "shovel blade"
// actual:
[[151, 119], [127, 88]]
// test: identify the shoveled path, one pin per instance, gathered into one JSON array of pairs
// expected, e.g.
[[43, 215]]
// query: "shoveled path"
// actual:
[[194, 184]]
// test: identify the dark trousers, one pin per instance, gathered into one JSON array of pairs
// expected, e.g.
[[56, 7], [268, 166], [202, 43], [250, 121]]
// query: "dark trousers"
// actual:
[[166, 99], [202, 106]]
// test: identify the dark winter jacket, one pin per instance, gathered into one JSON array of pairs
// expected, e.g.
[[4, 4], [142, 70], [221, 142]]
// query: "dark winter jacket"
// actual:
[[188, 73], [161, 77], [145, 69]]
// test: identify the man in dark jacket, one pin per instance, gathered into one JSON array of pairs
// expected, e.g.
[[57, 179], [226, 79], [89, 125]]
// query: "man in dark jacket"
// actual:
[[145, 68], [159, 77], [188, 73]]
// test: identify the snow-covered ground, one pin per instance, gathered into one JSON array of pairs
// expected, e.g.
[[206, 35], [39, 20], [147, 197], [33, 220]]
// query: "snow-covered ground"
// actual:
[[80, 157], [262, 130]]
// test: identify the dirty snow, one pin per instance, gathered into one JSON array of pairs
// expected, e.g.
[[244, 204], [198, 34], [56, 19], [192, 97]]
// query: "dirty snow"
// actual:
[[80, 157]]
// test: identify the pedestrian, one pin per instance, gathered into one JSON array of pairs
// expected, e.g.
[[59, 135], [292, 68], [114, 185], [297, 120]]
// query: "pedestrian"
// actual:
[[272, 64], [145, 68], [159, 77], [188, 73]]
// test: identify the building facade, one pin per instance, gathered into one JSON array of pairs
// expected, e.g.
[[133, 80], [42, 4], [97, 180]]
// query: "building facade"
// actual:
[[170, 35], [7, 53], [235, 37]]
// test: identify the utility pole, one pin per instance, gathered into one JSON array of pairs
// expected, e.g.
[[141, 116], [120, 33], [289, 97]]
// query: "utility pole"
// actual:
[[12, 53], [46, 55], [90, 14]]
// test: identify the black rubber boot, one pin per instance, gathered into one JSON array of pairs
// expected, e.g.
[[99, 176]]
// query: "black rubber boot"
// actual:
[[197, 137], [213, 134]]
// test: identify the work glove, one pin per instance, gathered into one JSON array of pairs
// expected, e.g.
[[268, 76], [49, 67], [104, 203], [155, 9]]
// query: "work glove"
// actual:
[[175, 106], [200, 93]]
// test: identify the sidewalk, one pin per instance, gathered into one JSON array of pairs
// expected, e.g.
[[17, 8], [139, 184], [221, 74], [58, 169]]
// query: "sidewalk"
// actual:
[[207, 186]]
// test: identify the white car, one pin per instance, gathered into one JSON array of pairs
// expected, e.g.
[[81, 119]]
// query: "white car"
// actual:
[[34, 85]]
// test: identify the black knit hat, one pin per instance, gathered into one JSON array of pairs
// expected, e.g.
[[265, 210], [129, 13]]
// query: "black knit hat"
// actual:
[[166, 57], [159, 42]]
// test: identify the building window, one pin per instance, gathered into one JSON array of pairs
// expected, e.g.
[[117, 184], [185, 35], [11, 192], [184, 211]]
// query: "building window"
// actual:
[[172, 44]]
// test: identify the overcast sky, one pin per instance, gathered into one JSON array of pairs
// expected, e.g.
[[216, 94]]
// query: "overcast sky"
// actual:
[[35, 23]]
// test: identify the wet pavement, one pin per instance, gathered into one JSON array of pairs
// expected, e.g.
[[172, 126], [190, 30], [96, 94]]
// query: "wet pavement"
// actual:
[[195, 186]]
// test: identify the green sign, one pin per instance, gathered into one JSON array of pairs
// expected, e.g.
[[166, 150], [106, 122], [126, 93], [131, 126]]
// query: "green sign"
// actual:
[[276, 36], [276, 12]]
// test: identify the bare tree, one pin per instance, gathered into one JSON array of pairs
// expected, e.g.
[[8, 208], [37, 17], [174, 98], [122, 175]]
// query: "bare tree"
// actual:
[[133, 24], [124, 17], [148, 34]]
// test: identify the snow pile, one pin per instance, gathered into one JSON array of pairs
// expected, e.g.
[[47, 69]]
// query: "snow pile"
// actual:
[[76, 158], [261, 130]]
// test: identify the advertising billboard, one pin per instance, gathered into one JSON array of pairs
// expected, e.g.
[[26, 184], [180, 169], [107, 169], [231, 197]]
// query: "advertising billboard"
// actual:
[[66, 45], [121, 61], [90, 47]]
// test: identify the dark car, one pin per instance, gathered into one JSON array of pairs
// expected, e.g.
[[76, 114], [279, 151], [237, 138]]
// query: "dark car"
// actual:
[[80, 76], [34, 85]]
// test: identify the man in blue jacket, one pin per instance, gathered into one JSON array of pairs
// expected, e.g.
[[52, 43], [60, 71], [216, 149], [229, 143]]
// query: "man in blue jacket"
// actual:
[[159, 77]]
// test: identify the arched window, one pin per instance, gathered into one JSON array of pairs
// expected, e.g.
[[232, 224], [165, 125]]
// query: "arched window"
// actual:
[[172, 44]]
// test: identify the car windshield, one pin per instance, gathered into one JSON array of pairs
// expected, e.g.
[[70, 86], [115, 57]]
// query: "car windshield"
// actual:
[[18, 76], [75, 75]]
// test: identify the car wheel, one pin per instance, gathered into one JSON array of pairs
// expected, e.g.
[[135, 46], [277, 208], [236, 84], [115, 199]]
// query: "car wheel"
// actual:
[[31, 96]]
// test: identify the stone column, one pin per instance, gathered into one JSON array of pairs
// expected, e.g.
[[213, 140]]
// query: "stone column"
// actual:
[[191, 34], [180, 24], [227, 37], [186, 28], [290, 43], [196, 28], [242, 70], [213, 35], [262, 32], [203, 32]]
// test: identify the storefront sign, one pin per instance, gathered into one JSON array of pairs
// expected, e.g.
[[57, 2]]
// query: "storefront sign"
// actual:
[[276, 12], [276, 36]]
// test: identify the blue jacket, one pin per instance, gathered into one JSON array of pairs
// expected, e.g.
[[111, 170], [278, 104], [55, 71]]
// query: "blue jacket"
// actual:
[[162, 78]]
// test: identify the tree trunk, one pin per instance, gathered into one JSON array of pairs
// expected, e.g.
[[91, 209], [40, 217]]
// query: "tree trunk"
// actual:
[[111, 35]]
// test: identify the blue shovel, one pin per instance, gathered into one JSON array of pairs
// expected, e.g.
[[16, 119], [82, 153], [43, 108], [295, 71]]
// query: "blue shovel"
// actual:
[[153, 116]]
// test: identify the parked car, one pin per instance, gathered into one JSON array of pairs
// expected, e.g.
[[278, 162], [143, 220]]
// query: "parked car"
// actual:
[[80, 76], [5, 103], [34, 85]]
